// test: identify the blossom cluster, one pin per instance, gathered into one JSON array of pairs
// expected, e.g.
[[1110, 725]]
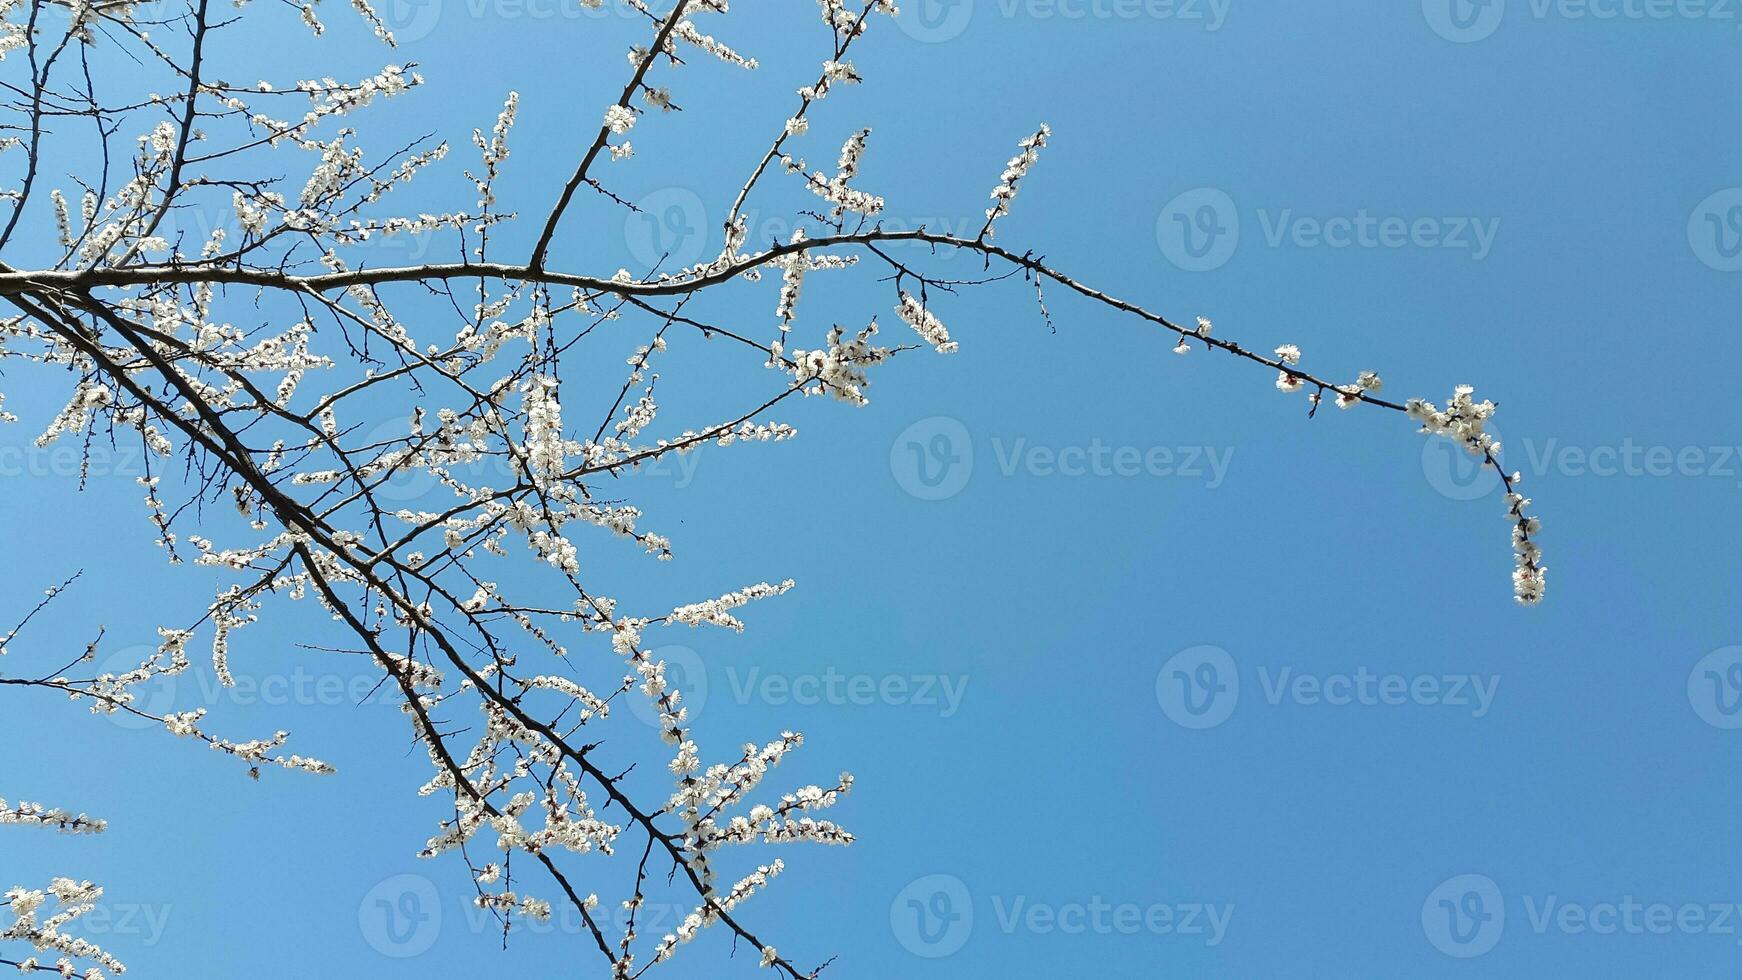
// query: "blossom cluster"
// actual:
[[72, 900], [24, 813], [1014, 171], [1464, 420]]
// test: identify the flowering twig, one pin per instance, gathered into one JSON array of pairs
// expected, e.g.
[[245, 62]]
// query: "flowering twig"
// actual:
[[403, 531]]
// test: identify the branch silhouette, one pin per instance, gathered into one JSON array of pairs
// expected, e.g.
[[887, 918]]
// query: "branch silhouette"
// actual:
[[392, 443]]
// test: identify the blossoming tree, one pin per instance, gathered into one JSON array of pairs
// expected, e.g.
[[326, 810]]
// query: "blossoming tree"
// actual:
[[143, 325]]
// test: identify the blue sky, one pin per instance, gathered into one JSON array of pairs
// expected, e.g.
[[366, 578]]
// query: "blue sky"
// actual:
[[1141, 672]]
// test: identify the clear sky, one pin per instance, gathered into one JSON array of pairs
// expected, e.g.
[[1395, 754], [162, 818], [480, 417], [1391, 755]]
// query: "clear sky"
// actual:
[[1141, 672]]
